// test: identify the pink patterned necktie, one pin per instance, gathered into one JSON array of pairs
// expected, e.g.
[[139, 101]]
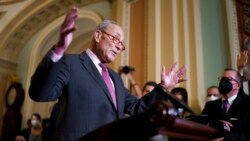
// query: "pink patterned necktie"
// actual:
[[107, 79]]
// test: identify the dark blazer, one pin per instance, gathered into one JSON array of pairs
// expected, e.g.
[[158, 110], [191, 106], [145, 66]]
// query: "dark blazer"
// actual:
[[84, 100], [238, 114]]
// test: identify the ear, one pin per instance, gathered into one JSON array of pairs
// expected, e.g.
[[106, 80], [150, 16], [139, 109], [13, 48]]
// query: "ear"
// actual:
[[98, 36], [239, 85]]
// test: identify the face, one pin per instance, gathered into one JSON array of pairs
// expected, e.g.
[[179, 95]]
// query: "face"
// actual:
[[231, 76], [179, 97], [33, 117], [109, 43], [34, 120], [148, 89], [213, 94]]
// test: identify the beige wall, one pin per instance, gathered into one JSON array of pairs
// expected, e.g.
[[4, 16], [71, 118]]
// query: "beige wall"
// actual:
[[137, 52], [162, 32]]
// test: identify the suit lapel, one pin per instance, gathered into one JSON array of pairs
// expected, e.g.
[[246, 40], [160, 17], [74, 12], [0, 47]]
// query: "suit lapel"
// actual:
[[234, 108], [218, 108], [93, 71]]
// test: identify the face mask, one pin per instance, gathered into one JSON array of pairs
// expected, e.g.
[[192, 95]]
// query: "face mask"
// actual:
[[35, 123], [225, 87], [212, 98]]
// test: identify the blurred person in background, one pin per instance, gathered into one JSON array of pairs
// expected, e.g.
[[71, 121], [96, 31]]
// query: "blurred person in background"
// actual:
[[33, 132], [213, 93]]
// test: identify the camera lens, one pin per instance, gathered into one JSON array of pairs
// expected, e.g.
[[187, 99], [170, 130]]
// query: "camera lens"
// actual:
[[126, 69]]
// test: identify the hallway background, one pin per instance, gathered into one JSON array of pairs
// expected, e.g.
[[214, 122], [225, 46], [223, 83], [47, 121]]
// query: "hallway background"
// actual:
[[201, 34]]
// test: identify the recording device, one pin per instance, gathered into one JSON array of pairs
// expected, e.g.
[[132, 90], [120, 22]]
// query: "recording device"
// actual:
[[127, 69]]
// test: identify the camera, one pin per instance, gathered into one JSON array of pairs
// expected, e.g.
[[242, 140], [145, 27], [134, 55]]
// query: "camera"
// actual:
[[127, 69]]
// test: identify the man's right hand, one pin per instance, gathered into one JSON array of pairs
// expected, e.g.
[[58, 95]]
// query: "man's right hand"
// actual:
[[66, 32], [242, 60]]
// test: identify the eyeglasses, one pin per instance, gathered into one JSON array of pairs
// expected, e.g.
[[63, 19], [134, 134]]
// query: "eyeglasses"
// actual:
[[114, 39], [228, 79]]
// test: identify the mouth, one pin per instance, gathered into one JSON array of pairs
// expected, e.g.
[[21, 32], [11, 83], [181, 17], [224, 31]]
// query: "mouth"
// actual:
[[114, 52]]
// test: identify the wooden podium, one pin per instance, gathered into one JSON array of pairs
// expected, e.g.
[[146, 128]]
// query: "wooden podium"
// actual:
[[156, 120]]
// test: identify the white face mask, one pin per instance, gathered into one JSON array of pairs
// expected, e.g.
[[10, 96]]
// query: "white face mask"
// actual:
[[212, 98], [35, 123]]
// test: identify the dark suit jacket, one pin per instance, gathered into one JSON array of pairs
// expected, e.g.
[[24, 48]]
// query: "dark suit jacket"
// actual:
[[84, 100], [238, 114]]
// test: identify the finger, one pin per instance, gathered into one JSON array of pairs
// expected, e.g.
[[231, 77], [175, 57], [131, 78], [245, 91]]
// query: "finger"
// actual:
[[227, 128], [229, 124], [173, 68], [163, 71], [238, 56], [71, 16], [182, 80], [246, 55], [245, 52], [67, 31], [181, 71], [74, 7], [70, 30]]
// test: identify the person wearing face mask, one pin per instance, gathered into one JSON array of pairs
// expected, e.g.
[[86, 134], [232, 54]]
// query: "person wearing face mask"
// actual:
[[213, 93], [231, 110], [34, 130]]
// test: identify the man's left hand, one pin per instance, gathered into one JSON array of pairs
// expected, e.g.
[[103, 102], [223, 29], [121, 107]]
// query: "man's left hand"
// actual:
[[173, 77]]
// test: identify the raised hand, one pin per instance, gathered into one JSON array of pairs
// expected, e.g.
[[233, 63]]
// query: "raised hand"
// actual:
[[242, 60], [66, 32], [173, 77]]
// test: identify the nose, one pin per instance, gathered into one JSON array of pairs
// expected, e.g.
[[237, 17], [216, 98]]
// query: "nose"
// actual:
[[119, 46]]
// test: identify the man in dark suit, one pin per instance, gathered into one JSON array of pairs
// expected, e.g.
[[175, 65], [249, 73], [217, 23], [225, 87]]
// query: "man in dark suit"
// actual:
[[234, 113], [86, 100]]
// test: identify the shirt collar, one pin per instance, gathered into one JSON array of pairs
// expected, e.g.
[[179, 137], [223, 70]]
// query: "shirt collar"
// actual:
[[94, 59], [231, 99]]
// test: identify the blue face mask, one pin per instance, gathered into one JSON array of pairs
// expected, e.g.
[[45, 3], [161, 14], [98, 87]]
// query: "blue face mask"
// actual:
[[225, 87]]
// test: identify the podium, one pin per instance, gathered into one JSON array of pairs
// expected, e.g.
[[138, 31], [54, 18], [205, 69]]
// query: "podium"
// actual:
[[156, 120]]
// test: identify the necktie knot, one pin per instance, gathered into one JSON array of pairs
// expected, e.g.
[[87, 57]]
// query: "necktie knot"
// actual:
[[103, 66]]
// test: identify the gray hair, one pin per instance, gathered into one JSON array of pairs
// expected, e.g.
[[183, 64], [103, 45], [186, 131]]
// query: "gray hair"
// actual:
[[104, 24]]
